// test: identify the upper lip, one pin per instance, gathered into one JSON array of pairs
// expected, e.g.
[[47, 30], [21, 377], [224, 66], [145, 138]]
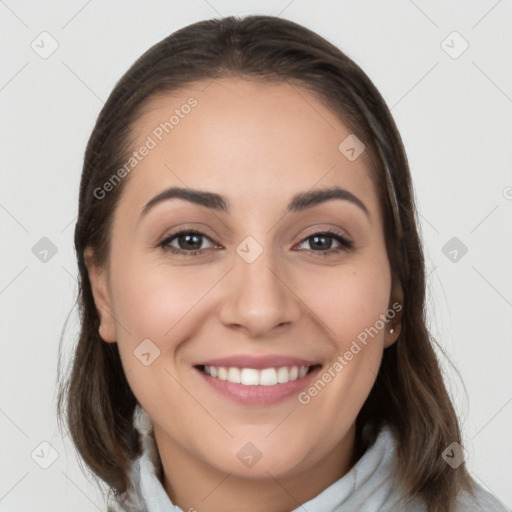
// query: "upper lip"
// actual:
[[257, 362]]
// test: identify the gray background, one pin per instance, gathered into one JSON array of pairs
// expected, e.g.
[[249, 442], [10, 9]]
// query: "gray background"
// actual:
[[454, 115]]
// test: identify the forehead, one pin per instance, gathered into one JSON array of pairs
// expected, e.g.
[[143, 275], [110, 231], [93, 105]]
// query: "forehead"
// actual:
[[246, 139]]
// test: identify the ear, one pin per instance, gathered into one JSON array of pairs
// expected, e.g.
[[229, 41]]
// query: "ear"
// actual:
[[395, 310], [100, 291]]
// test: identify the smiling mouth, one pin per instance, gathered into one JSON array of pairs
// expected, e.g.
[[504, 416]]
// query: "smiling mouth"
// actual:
[[257, 377]]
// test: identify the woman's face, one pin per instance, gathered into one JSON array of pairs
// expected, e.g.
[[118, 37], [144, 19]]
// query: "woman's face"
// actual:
[[258, 292]]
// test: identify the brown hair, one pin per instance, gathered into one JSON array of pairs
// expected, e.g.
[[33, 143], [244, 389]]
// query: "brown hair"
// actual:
[[409, 393]]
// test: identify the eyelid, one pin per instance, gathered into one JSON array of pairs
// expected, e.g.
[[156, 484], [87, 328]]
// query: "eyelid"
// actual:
[[188, 228], [328, 226]]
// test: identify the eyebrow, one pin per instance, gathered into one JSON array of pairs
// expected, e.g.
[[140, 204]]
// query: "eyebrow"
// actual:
[[299, 202]]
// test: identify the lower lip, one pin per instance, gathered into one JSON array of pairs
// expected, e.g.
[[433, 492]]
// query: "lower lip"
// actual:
[[259, 395]]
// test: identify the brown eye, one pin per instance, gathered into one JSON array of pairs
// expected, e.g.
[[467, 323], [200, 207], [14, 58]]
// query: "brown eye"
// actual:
[[322, 242], [189, 242]]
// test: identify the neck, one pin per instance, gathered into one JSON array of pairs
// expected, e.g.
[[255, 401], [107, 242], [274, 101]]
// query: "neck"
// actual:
[[194, 485]]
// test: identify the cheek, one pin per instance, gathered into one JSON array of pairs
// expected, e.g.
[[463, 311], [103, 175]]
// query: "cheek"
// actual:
[[152, 300], [353, 305], [153, 307], [349, 301]]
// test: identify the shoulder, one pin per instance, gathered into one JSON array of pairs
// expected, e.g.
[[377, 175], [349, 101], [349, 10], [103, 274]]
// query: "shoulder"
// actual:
[[483, 501]]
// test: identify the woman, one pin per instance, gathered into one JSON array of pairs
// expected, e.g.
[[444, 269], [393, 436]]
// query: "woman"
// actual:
[[253, 331]]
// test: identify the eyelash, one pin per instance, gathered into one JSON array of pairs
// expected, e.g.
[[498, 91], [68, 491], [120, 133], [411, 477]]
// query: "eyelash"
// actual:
[[345, 245]]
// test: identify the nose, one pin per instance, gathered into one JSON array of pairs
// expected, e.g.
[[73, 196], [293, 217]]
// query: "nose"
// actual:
[[259, 297]]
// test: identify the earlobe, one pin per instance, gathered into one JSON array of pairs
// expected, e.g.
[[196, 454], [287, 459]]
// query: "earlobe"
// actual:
[[392, 334], [99, 287], [394, 326]]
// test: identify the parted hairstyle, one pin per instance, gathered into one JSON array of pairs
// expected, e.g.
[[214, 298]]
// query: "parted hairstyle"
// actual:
[[94, 398]]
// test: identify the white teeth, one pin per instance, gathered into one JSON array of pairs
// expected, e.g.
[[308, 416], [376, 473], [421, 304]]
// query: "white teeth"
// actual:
[[303, 371], [249, 377], [283, 375], [253, 377], [268, 377], [234, 375]]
